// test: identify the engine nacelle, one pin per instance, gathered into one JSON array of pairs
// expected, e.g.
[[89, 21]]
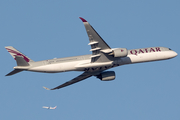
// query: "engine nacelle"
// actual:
[[119, 52], [107, 76]]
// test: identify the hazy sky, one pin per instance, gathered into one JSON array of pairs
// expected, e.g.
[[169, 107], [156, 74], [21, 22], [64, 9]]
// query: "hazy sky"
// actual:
[[46, 29]]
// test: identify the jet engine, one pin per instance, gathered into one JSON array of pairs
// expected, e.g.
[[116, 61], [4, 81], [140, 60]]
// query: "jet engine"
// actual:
[[107, 76], [119, 52]]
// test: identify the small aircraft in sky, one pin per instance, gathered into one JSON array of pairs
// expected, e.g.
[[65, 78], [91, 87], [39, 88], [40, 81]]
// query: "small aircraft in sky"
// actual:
[[49, 107], [103, 57]]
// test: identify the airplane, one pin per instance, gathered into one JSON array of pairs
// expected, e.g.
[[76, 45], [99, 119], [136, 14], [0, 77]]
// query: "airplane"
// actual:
[[103, 57], [49, 107]]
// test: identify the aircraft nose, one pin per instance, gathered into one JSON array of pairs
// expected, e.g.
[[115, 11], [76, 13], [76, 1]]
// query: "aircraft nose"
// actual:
[[174, 54]]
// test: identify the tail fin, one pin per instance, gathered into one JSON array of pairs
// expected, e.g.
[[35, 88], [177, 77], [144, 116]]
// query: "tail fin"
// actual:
[[21, 61], [20, 58], [15, 53]]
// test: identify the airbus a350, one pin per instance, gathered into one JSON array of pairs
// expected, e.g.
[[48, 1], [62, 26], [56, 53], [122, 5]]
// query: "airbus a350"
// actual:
[[103, 57]]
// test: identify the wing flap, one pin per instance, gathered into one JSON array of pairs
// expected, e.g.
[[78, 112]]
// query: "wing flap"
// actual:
[[93, 43], [97, 48], [95, 56]]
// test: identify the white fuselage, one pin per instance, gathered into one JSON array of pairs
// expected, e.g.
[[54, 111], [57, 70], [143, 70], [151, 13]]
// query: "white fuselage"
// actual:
[[103, 57], [83, 63]]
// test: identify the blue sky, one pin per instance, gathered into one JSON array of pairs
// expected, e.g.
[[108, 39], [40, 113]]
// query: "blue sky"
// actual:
[[44, 29]]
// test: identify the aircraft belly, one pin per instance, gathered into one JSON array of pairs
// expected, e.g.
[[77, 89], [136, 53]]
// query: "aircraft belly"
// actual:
[[54, 68], [95, 67]]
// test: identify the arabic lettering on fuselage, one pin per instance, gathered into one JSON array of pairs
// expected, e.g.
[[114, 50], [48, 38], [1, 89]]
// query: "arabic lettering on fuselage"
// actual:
[[145, 50], [101, 68]]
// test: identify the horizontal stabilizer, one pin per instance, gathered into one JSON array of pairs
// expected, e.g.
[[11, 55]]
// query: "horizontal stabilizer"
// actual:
[[14, 72]]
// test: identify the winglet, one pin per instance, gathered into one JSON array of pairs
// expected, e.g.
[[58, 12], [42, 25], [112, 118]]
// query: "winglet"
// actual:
[[83, 19], [46, 88]]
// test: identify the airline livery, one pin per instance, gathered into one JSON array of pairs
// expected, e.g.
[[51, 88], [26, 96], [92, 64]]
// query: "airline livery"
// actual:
[[102, 58]]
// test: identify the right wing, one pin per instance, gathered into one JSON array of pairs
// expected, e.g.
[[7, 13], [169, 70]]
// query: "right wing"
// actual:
[[75, 80]]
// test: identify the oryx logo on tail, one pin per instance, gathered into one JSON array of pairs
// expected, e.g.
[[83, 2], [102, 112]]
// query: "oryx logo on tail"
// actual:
[[15, 53]]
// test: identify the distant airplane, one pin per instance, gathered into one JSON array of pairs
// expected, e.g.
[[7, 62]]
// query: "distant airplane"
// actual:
[[49, 107], [102, 58]]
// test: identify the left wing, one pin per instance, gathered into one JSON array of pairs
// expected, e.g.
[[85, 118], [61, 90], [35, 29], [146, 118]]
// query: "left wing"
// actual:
[[75, 80], [98, 45]]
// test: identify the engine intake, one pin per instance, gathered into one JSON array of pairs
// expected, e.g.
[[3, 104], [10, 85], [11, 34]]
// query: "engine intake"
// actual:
[[107, 76], [119, 52]]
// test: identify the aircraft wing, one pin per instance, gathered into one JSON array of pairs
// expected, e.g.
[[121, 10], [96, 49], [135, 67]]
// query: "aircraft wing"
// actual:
[[98, 45], [75, 80]]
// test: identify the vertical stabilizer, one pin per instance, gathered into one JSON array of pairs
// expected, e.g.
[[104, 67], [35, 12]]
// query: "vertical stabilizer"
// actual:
[[21, 59], [15, 53]]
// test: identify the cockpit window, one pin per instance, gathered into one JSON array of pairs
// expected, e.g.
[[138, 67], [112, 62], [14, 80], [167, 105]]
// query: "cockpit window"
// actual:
[[169, 48]]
